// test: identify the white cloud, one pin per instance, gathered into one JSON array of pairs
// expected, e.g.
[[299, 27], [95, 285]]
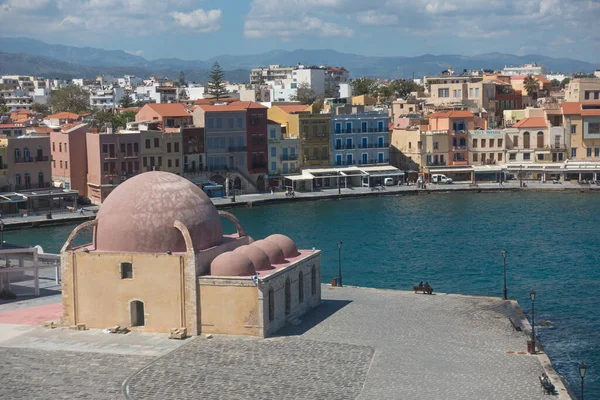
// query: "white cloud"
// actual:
[[292, 29], [373, 17], [199, 20], [25, 4]]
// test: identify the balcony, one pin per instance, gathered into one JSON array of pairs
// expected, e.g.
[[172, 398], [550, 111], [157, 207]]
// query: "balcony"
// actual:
[[237, 149], [20, 160], [259, 166], [358, 130], [459, 148], [373, 146], [435, 164], [458, 132], [345, 147], [374, 161], [134, 154], [109, 156], [291, 157]]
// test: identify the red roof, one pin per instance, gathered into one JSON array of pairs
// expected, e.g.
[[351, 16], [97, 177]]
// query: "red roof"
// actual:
[[235, 106], [576, 108], [293, 109], [169, 109], [63, 115], [452, 114], [533, 122], [200, 102], [11, 126]]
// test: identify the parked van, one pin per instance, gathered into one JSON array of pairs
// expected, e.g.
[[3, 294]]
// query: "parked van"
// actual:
[[388, 181], [440, 178]]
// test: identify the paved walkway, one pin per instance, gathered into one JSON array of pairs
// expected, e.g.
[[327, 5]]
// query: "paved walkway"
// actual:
[[359, 344]]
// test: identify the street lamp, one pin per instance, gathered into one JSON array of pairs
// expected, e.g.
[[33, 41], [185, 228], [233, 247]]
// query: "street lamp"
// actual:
[[339, 191], [582, 369], [1, 232], [532, 295], [504, 252], [340, 264]]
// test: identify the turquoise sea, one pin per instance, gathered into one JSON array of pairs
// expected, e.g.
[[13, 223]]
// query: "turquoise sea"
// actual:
[[454, 241]]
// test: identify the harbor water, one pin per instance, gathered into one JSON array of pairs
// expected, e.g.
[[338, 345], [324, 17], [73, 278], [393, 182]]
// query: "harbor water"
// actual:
[[454, 241]]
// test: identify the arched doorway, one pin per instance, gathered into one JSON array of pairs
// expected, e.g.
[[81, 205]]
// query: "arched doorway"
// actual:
[[260, 183], [237, 183], [136, 312], [288, 296], [218, 179]]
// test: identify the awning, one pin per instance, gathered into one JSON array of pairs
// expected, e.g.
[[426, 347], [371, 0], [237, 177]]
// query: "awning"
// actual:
[[379, 168], [308, 177], [450, 170], [387, 173], [482, 169]]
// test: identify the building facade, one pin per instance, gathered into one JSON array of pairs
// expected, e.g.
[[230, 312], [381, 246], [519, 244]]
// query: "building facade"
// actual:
[[193, 150], [360, 138], [283, 151], [29, 162], [486, 146], [583, 89], [69, 158], [581, 122]]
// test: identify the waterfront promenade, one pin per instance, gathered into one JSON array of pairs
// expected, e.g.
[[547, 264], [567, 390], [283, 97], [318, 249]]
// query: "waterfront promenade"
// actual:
[[65, 217], [360, 343]]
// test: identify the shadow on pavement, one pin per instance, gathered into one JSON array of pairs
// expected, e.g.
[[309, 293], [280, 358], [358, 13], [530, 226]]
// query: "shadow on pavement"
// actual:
[[314, 317]]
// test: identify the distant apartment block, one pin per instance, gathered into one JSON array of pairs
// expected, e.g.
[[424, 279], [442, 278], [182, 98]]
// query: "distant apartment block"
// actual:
[[526, 69], [583, 89]]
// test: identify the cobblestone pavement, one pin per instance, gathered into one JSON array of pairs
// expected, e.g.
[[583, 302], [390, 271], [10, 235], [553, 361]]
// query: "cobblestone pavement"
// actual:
[[40, 374], [249, 368]]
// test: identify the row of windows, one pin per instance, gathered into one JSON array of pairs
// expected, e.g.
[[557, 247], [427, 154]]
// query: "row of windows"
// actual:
[[224, 142], [589, 151], [28, 179], [592, 94], [64, 165], [364, 126], [286, 167], [288, 292], [292, 151], [485, 156], [60, 147], [218, 122], [491, 142], [171, 146]]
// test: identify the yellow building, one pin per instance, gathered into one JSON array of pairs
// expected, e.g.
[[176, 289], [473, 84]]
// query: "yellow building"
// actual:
[[583, 89], [313, 130], [364, 100], [4, 183], [582, 124], [158, 261]]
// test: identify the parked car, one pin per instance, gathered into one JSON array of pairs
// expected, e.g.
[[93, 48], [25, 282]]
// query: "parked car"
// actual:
[[388, 181], [440, 178]]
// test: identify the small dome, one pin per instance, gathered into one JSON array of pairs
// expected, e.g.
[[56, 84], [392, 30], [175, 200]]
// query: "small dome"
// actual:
[[287, 245], [272, 249], [259, 258], [138, 216], [232, 264]]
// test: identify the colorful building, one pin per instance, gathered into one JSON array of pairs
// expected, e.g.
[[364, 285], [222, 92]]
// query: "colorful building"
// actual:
[[581, 121], [29, 162], [283, 152], [193, 150], [168, 115]]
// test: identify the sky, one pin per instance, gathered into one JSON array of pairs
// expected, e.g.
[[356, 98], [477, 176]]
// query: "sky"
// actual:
[[201, 29]]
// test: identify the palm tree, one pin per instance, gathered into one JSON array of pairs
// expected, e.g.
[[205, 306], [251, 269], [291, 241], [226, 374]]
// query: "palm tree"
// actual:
[[531, 85]]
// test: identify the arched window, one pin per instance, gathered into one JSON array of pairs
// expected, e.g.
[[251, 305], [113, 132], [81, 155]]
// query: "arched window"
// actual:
[[301, 287], [526, 140], [136, 312], [313, 280], [540, 140], [288, 296], [271, 304]]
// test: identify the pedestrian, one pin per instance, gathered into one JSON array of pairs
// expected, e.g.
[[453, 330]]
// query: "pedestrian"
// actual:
[[81, 211]]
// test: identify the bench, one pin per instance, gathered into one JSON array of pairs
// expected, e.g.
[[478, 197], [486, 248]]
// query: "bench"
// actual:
[[547, 386], [424, 289]]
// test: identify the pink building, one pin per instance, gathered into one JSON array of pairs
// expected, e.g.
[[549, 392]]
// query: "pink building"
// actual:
[[169, 115], [28, 159], [111, 159], [69, 158]]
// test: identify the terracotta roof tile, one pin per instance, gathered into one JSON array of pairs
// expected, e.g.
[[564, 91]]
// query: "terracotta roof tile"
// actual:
[[63, 115], [293, 108], [533, 122], [169, 109], [452, 114], [570, 108], [200, 102]]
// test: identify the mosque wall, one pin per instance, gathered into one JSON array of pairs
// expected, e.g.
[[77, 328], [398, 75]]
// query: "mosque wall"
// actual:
[[228, 305], [99, 293], [311, 288]]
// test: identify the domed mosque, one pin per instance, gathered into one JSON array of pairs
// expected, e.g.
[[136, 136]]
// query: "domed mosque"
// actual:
[[159, 262]]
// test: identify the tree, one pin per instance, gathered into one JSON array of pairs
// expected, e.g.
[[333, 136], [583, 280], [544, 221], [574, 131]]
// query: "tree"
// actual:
[[104, 118], [565, 82], [40, 108], [305, 95], [404, 87], [531, 85], [127, 100], [364, 85], [71, 98], [555, 83], [386, 94], [216, 84], [3, 107]]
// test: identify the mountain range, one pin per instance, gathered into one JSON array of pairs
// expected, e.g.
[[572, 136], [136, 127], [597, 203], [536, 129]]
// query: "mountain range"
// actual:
[[34, 57]]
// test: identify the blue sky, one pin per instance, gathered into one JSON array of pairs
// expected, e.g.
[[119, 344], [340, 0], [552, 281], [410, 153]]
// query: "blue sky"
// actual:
[[200, 29]]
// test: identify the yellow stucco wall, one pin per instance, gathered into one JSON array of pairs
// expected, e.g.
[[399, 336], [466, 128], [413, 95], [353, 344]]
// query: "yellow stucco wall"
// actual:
[[95, 294], [228, 309]]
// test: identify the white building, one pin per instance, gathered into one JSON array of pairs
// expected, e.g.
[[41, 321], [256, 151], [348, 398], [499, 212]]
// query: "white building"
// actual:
[[195, 92], [345, 91], [527, 69], [106, 98], [129, 81], [313, 77]]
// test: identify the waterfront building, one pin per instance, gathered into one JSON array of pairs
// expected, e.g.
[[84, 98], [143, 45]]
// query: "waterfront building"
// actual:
[[112, 159], [69, 157], [486, 146], [581, 121], [312, 129], [160, 150], [583, 90], [529, 141], [359, 137], [159, 251], [236, 143], [29, 162], [193, 150], [526, 69], [283, 152], [4, 177]]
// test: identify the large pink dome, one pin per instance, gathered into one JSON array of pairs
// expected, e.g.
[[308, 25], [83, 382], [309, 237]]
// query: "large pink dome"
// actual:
[[138, 216]]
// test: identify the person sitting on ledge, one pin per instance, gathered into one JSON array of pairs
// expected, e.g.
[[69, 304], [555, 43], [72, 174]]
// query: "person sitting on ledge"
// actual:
[[427, 284], [421, 284]]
